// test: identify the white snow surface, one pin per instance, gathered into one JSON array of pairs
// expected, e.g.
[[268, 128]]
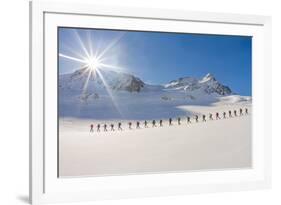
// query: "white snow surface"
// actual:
[[211, 145]]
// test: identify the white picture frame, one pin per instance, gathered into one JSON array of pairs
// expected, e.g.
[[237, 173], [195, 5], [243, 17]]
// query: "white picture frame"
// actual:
[[45, 187]]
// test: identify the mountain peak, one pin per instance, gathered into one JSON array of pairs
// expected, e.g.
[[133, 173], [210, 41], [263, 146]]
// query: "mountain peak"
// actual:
[[208, 77]]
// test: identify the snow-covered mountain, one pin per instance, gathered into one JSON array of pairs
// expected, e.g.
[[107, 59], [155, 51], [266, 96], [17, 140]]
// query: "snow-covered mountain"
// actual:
[[110, 79], [208, 84], [120, 81], [114, 95]]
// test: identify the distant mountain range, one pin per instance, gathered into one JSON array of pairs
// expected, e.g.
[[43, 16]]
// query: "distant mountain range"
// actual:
[[119, 95], [119, 81]]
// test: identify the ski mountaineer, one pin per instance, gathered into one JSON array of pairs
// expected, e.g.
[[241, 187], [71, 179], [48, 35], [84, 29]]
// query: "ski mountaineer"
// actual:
[[229, 113], [119, 126], [145, 124], [112, 127], [235, 113], [153, 123], [188, 119], [179, 121], [130, 125], [105, 128], [196, 118], [98, 128], [204, 118], [224, 115], [92, 128], [138, 125], [161, 123], [241, 111], [210, 116], [246, 111], [170, 121], [218, 116]]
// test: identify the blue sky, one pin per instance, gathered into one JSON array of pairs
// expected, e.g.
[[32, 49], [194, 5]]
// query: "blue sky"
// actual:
[[158, 58]]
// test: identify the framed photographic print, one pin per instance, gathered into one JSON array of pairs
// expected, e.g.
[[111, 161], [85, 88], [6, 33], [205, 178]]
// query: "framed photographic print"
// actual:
[[129, 102]]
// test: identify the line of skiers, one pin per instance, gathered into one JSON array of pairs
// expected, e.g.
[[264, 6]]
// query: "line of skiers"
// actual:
[[178, 120]]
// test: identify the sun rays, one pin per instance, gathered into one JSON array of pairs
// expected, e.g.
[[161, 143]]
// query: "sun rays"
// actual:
[[93, 60]]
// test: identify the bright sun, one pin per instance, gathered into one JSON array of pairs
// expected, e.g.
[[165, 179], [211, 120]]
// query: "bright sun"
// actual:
[[93, 63]]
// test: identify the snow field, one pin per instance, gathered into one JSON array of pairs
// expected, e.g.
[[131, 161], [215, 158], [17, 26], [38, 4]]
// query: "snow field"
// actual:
[[217, 144]]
